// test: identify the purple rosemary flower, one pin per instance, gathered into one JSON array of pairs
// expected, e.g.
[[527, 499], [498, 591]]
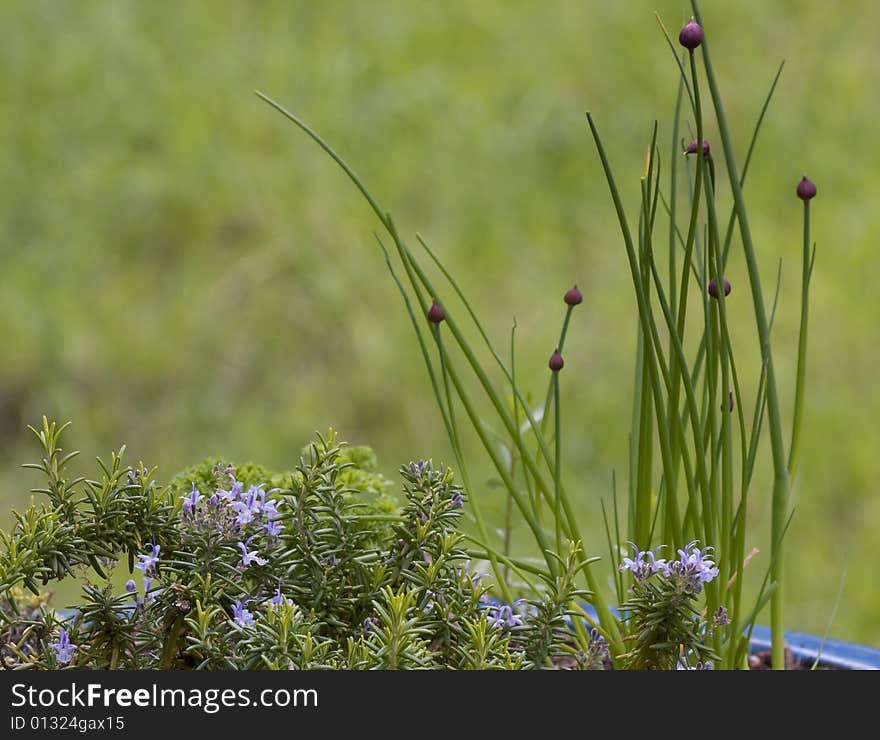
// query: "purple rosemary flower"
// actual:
[[148, 585], [279, 599], [273, 527], [720, 618], [250, 557], [692, 569], [683, 665], [249, 506], [370, 624], [503, 617], [63, 647], [191, 500], [241, 615], [457, 500], [422, 468], [234, 493], [644, 564], [130, 586], [148, 562], [598, 654], [466, 574]]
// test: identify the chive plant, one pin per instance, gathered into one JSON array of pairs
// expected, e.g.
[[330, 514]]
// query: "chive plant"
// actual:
[[689, 403]]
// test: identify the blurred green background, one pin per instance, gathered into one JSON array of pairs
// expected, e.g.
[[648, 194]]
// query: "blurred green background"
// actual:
[[186, 273]]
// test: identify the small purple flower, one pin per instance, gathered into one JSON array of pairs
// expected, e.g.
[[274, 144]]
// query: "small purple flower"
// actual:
[[420, 468], [573, 297], [683, 665], [63, 648], [148, 586], [466, 574], [250, 557], [240, 614], [270, 509], [148, 562], [457, 500], [191, 500], [370, 624], [436, 314], [249, 507], [234, 493], [644, 564], [713, 288], [503, 617], [556, 363], [691, 35], [720, 618], [692, 569], [598, 653], [273, 527], [692, 147], [130, 586], [279, 599], [806, 190]]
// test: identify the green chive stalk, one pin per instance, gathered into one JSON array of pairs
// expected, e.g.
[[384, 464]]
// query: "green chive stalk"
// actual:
[[781, 483]]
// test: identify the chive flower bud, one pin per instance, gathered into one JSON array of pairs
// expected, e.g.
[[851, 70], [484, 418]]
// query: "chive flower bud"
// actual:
[[436, 314], [713, 288], [692, 147], [806, 189], [556, 364], [691, 36], [574, 297]]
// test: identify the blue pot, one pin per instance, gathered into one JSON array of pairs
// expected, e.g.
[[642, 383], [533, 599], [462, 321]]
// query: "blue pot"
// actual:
[[831, 654], [848, 656]]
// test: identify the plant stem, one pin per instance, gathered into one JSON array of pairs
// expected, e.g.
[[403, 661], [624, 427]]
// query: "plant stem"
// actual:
[[802, 348], [780, 470]]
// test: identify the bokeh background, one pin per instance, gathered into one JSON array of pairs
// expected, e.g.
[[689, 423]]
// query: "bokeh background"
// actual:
[[184, 272]]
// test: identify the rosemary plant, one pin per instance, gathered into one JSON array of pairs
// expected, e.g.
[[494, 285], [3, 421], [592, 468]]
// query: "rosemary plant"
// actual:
[[240, 568]]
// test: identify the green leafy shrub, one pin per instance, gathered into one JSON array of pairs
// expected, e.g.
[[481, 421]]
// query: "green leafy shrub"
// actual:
[[242, 568]]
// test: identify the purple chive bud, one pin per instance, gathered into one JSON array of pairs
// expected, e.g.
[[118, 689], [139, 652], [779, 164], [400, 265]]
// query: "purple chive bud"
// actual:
[[691, 36], [556, 364], [692, 147], [806, 189], [574, 297], [436, 314], [713, 288]]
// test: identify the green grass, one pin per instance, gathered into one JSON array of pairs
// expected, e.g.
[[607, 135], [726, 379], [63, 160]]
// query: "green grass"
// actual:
[[185, 273]]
